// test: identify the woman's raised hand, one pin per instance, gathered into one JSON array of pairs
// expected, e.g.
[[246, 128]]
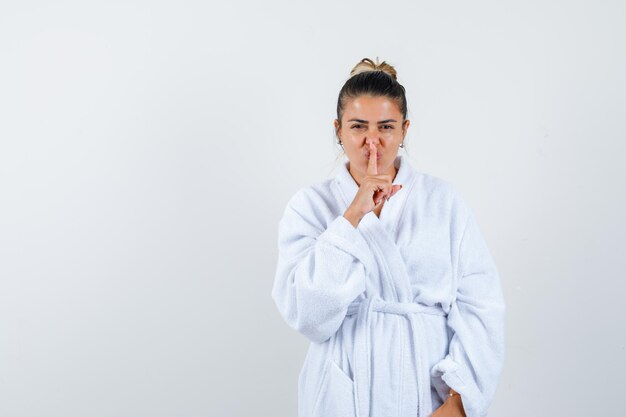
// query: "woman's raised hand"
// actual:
[[374, 189]]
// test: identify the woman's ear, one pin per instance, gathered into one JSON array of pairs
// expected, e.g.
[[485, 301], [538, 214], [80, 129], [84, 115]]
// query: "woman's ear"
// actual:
[[337, 127], [405, 126]]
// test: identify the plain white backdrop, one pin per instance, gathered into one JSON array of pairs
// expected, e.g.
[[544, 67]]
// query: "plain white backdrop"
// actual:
[[148, 148]]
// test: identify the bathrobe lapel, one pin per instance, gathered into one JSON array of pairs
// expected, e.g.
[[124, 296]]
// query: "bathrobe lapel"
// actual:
[[380, 232], [396, 294]]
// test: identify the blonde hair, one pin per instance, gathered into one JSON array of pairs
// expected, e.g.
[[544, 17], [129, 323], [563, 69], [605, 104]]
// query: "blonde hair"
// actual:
[[367, 64]]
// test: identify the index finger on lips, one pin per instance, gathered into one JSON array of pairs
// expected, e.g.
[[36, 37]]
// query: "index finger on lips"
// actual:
[[372, 166]]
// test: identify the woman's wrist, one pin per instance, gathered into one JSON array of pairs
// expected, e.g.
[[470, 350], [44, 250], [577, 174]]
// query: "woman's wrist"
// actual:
[[454, 398], [352, 217]]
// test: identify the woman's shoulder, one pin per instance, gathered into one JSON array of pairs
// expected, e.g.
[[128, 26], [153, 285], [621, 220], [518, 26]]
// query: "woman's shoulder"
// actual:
[[435, 186], [311, 193], [315, 202], [440, 193], [433, 183]]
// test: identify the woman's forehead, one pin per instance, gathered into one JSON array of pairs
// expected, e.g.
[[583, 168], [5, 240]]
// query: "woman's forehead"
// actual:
[[366, 107]]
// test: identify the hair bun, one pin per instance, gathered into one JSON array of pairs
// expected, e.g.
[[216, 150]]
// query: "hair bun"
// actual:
[[367, 64]]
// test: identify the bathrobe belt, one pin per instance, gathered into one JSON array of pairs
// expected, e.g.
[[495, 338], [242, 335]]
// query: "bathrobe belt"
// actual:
[[362, 345]]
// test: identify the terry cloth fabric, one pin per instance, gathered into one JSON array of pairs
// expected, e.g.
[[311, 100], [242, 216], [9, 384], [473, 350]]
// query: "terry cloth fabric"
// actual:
[[397, 310]]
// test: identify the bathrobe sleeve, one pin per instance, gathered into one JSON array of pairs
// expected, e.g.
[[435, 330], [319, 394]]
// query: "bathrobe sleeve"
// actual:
[[320, 270], [475, 357]]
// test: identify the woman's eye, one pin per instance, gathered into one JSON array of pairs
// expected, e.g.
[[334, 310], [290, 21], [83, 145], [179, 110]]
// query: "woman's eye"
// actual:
[[387, 127], [357, 126]]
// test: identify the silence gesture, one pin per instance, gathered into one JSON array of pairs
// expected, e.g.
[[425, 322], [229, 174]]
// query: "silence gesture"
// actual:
[[375, 188]]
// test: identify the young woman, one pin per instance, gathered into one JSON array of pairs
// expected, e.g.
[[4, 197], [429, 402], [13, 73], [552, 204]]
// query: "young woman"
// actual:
[[384, 269]]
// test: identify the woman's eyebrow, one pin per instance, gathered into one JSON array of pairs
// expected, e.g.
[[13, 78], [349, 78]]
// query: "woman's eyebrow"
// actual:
[[365, 121]]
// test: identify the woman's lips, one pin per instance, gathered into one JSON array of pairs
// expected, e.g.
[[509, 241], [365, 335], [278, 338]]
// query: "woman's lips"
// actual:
[[367, 156]]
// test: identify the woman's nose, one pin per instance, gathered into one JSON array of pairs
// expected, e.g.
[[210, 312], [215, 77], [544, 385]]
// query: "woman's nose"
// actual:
[[372, 136]]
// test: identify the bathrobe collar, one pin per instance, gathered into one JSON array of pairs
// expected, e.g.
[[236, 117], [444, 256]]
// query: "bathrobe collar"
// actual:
[[392, 209]]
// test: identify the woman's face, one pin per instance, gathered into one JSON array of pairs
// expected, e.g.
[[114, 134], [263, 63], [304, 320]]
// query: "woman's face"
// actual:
[[371, 119]]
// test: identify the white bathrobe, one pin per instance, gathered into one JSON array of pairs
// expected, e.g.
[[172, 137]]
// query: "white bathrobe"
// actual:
[[398, 309]]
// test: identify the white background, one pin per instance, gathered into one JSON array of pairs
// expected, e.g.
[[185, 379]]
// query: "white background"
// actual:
[[148, 148]]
